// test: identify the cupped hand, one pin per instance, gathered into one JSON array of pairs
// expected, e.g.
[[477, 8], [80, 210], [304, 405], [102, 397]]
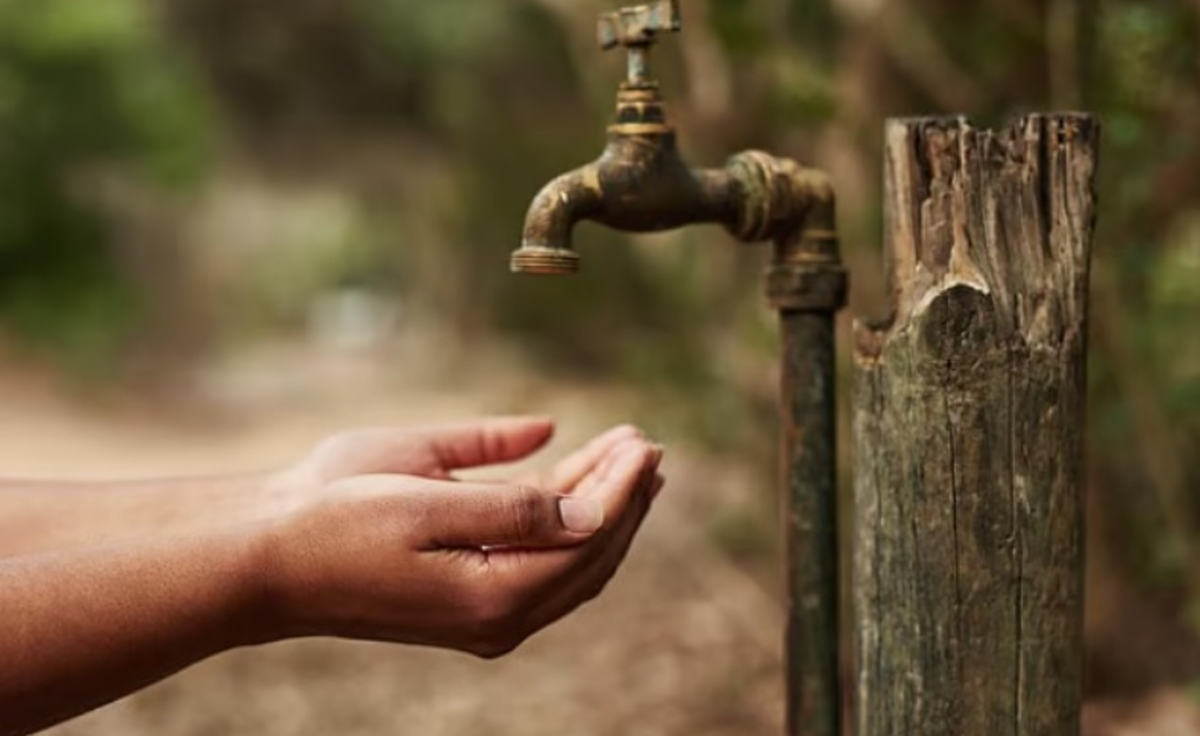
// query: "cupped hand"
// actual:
[[384, 544], [436, 452]]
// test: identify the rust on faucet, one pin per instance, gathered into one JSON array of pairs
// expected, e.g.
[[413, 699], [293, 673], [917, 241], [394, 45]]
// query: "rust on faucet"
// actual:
[[640, 183]]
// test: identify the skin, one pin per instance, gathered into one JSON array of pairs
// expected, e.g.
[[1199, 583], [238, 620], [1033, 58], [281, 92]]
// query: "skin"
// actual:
[[367, 537]]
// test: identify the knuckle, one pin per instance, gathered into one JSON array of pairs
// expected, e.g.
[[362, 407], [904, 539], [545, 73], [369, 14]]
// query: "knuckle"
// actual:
[[523, 512]]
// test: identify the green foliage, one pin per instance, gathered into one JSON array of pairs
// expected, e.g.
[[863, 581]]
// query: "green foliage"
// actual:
[[734, 23], [82, 86], [432, 35]]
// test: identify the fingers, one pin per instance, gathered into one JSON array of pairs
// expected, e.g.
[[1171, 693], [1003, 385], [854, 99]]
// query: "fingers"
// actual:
[[596, 563], [488, 441], [472, 566], [475, 516], [657, 486], [620, 488], [471, 516], [596, 482], [568, 472]]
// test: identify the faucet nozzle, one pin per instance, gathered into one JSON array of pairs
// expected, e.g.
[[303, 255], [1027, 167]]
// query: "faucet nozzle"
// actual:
[[540, 259]]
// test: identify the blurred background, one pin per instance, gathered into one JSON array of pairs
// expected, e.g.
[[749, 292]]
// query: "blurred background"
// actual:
[[228, 227]]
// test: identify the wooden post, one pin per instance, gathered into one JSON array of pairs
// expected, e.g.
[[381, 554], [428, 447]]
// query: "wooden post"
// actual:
[[969, 417]]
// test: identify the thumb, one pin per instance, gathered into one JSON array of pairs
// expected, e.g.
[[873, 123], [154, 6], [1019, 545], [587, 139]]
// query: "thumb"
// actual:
[[500, 515]]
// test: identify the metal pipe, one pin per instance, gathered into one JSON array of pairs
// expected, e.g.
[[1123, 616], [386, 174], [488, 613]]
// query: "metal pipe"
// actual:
[[808, 417], [807, 284]]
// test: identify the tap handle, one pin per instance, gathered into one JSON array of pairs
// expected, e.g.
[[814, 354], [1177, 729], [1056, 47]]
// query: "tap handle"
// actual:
[[636, 26]]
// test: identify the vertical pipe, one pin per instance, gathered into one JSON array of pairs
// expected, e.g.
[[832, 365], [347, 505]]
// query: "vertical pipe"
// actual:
[[808, 420]]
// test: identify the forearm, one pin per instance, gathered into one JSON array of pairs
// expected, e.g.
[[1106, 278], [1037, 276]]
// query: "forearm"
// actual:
[[81, 628], [38, 516]]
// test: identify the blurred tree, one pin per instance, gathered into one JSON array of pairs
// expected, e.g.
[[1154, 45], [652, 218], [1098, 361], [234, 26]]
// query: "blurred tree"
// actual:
[[82, 86]]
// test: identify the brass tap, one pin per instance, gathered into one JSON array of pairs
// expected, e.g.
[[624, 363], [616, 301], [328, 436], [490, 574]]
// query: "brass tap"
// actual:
[[641, 184]]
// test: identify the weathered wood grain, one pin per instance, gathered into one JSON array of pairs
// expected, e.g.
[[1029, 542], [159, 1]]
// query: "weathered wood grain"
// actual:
[[969, 414]]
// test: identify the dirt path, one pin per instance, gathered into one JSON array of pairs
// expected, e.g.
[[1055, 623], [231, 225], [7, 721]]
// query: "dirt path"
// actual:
[[681, 643]]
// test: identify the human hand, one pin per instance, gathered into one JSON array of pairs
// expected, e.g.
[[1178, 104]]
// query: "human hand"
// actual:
[[376, 540], [435, 452], [419, 558]]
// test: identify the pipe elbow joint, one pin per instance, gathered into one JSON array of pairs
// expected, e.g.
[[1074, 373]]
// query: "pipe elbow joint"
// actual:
[[817, 187], [546, 239], [782, 199], [796, 207]]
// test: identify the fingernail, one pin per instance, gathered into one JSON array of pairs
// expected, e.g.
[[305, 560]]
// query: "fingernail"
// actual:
[[580, 515]]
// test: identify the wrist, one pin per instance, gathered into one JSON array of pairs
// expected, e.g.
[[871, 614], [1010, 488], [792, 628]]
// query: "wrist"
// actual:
[[281, 574], [254, 614]]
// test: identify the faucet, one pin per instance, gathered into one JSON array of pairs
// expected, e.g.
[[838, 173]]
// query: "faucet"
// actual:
[[640, 183]]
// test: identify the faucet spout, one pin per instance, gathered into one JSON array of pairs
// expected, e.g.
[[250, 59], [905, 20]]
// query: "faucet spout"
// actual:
[[639, 184], [546, 243]]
